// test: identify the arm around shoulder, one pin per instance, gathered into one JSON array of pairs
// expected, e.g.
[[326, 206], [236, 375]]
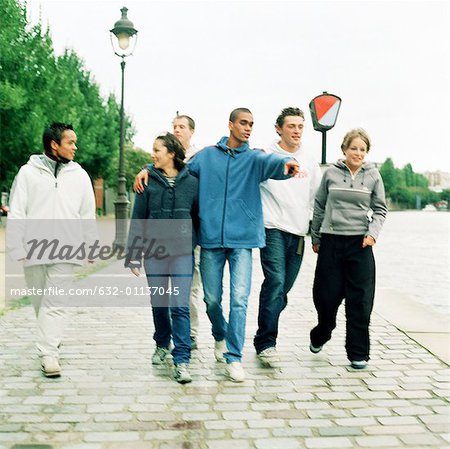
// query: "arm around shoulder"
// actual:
[[193, 164]]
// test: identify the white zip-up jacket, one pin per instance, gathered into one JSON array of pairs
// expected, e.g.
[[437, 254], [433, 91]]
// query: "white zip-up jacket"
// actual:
[[287, 204], [43, 206]]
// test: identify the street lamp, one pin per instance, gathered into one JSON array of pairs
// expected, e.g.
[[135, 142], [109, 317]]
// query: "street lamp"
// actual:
[[123, 41], [324, 111]]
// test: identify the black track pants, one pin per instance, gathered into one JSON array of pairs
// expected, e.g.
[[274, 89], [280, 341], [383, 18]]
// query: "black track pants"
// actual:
[[344, 270]]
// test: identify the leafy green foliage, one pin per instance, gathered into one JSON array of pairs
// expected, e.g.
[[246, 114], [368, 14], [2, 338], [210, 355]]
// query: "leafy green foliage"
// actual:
[[403, 186], [135, 159], [37, 88]]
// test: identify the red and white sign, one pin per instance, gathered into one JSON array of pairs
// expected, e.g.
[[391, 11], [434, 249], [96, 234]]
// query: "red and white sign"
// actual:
[[324, 111]]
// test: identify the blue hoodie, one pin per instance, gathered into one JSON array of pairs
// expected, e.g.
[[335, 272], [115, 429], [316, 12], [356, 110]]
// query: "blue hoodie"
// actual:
[[229, 195]]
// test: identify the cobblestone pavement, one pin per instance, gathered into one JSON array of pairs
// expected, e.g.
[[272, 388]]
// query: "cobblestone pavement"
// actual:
[[111, 397]]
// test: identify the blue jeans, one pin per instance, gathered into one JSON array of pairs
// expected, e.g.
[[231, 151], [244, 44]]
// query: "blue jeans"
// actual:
[[280, 260], [212, 263], [170, 305]]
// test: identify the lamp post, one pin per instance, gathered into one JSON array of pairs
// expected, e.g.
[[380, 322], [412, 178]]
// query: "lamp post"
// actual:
[[324, 111], [123, 40]]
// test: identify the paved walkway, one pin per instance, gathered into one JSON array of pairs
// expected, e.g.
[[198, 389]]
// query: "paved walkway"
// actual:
[[111, 397]]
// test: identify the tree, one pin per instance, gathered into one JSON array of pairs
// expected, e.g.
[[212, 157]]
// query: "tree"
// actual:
[[403, 186], [408, 175], [135, 159], [26, 63], [445, 196], [389, 174], [403, 196], [36, 88]]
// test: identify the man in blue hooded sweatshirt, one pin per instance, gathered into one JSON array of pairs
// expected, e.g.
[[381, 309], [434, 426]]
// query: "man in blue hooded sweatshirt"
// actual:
[[231, 224]]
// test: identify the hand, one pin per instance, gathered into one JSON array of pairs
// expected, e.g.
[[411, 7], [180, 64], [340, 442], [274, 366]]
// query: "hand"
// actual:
[[315, 248], [138, 187], [292, 168], [136, 271], [368, 241]]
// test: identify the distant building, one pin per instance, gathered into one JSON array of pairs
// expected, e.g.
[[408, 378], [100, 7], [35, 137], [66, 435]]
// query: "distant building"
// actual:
[[438, 180]]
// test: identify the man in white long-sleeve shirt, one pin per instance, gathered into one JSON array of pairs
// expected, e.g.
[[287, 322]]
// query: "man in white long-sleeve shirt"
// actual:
[[287, 209], [183, 129], [51, 199]]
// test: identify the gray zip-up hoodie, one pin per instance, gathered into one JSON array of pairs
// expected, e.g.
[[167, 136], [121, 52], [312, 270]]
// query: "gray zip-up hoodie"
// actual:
[[349, 204]]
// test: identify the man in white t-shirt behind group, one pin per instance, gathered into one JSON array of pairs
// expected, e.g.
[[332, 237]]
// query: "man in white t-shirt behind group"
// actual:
[[287, 209], [183, 129]]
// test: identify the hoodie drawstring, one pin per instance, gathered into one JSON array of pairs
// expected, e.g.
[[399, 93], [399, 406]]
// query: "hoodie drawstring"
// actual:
[[230, 152]]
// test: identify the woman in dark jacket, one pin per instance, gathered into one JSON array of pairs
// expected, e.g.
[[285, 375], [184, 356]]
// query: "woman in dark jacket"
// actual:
[[162, 232]]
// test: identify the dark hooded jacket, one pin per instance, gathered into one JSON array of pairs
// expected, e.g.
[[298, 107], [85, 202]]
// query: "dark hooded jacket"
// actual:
[[164, 216]]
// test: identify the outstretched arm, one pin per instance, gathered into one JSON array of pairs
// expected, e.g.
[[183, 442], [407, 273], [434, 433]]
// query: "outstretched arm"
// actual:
[[274, 166]]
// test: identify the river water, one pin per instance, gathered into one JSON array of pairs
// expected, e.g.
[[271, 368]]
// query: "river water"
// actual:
[[413, 257]]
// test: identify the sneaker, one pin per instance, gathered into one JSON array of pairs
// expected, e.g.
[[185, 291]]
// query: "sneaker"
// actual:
[[315, 349], [269, 358], [358, 364], [235, 372], [50, 366], [219, 348], [161, 356], [181, 373], [194, 344]]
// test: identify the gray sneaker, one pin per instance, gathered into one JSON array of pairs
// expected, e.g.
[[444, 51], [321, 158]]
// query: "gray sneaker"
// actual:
[[358, 364], [269, 358], [181, 373], [315, 349], [220, 347], [161, 356]]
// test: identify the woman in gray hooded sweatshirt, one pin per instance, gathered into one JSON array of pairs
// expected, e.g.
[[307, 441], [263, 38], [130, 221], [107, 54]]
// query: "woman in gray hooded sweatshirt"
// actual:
[[349, 212]]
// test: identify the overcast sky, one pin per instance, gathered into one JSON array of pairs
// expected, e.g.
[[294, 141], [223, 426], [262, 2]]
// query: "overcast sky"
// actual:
[[389, 61]]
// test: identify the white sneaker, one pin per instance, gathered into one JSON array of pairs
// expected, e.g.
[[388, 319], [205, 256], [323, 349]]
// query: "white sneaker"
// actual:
[[181, 373], [269, 358], [219, 348], [50, 366], [235, 372], [194, 343]]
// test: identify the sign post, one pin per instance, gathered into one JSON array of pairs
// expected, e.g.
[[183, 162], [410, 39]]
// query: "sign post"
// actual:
[[324, 111]]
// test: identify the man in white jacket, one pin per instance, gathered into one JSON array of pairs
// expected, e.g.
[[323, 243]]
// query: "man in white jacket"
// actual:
[[51, 199], [287, 207]]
